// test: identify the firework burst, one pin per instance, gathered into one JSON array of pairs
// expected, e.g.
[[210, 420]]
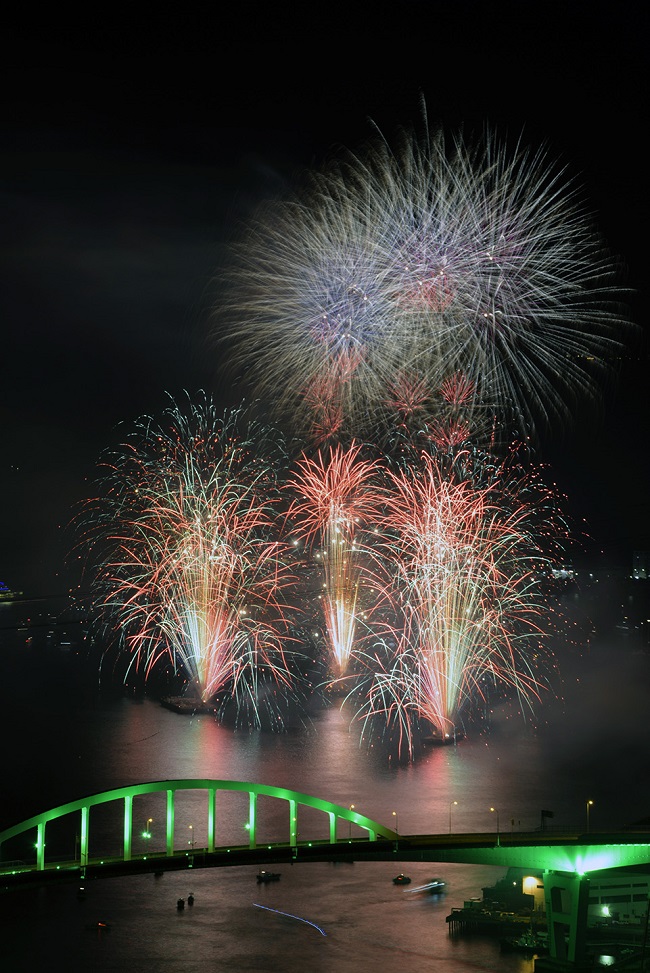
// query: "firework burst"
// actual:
[[490, 264], [336, 500], [433, 258], [466, 543], [307, 315], [187, 564]]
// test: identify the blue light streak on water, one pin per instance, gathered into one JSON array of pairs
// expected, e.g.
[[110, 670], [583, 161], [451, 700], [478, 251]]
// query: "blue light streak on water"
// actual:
[[289, 916]]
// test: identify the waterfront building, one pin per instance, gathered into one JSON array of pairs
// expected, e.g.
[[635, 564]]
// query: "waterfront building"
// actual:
[[619, 895]]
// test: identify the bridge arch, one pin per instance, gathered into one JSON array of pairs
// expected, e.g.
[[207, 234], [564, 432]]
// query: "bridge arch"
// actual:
[[127, 794]]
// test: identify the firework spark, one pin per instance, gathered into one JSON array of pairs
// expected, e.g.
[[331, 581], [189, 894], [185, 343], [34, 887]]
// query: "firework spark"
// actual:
[[336, 501], [464, 543], [188, 566]]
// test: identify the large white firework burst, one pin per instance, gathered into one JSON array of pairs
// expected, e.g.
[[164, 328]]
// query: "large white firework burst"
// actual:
[[433, 257], [308, 315], [492, 261]]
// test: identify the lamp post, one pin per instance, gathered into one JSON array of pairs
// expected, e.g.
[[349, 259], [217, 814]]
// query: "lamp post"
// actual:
[[450, 807], [396, 816], [350, 823], [589, 804], [498, 832], [147, 833], [191, 838]]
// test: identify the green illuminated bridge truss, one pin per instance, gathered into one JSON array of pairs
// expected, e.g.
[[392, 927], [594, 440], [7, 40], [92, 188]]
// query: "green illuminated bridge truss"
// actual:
[[569, 852], [566, 860], [39, 822]]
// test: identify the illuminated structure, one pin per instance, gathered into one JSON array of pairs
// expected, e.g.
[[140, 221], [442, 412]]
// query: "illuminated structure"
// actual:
[[6, 594], [569, 862], [170, 788], [641, 565]]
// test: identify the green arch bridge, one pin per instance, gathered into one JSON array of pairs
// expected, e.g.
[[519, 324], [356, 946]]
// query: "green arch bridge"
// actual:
[[566, 859]]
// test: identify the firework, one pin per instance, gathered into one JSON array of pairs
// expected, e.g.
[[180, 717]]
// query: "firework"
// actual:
[[187, 564], [431, 259], [466, 546], [306, 314], [336, 501], [490, 264]]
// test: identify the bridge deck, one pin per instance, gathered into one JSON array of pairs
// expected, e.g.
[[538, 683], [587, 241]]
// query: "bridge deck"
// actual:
[[557, 852]]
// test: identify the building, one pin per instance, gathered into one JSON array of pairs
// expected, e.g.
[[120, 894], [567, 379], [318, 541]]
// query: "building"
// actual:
[[619, 895]]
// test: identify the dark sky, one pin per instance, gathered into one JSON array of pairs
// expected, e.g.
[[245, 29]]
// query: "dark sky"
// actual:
[[132, 148]]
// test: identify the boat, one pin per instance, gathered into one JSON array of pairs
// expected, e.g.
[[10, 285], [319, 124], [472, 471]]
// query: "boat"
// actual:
[[434, 887], [436, 740], [187, 705], [401, 879], [264, 877]]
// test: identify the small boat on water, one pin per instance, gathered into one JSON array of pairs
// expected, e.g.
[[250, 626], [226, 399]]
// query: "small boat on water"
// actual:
[[434, 887], [401, 879], [264, 877]]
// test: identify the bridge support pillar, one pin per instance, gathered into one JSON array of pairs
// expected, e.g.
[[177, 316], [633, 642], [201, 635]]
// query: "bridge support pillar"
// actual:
[[212, 800], [293, 822], [128, 826], [567, 896], [40, 846], [83, 835], [170, 823], [252, 818]]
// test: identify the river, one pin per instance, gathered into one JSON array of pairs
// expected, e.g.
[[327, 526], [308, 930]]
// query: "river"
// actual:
[[64, 737]]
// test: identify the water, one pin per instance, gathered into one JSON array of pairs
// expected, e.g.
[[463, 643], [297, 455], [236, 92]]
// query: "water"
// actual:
[[364, 919], [64, 740]]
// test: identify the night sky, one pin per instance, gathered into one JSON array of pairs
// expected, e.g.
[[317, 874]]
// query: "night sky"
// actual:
[[133, 149]]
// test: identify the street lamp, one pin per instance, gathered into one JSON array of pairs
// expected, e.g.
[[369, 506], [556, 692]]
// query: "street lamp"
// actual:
[[450, 807], [191, 838], [147, 833], [589, 804], [350, 823], [498, 834], [396, 816]]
